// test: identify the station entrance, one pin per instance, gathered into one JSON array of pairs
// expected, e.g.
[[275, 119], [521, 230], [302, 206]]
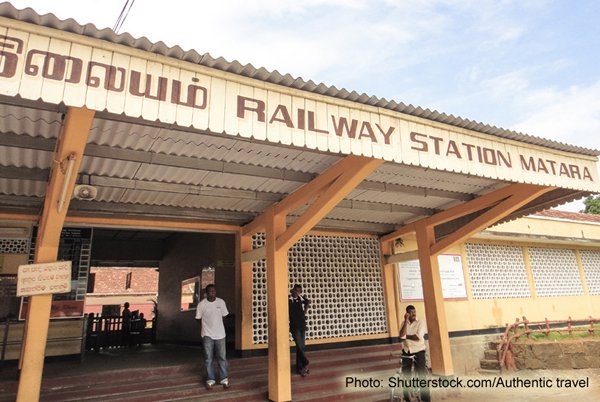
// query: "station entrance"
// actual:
[[161, 275]]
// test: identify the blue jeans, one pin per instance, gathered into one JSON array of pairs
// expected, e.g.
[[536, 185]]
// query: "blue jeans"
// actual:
[[215, 347]]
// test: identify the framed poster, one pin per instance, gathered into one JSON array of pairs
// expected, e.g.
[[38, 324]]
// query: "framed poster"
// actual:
[[411, 287], [451, 276]]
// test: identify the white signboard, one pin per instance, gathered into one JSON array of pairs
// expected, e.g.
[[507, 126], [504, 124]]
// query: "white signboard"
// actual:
[[45, 278], [56, 66], [410, 281], [451, 276]]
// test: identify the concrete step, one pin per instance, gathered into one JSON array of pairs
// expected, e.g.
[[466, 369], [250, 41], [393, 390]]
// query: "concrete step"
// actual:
[[248, 377], [488, 372], [493, 345], [489, 364], [184, 382], [489, 354]]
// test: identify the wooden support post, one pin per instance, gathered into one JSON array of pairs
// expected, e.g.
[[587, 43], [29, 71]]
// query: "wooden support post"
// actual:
[[390, 290], [439, 342], [243, 333], [71, 144], [326, 191], [280, 386]]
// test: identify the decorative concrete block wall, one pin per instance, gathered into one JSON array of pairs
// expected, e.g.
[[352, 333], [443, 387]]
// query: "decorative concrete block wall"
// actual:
[[342, 278], [14, 246], [497, 271]]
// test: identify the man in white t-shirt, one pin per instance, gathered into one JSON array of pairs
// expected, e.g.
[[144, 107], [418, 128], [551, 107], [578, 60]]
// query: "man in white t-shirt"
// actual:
[[412, 334], [211, 311]]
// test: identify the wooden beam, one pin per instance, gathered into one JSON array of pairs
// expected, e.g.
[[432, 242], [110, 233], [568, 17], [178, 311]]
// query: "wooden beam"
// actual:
[[309, 191], [357, 169], [254, 255], [522, 195], [280, 383], [398, 233], [477, 204], [312, 189], [157, 223], [257, 225], [458, 211], [243, 332], [401, 257], [70, 146], [390, 291], [439, 341]]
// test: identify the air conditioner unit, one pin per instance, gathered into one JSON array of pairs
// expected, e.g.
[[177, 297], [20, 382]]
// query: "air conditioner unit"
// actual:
[[85, 192]]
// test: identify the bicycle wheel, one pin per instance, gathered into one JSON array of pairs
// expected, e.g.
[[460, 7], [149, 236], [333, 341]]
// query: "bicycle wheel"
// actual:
[[396, 394]]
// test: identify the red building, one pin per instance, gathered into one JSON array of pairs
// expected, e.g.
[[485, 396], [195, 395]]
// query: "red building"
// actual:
[[109, 288]]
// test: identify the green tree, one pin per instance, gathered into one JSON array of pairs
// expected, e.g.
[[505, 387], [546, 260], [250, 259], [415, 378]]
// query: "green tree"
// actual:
[[592, 205]]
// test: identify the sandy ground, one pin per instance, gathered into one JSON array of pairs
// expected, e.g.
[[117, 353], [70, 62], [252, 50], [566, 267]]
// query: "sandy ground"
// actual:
[[539, 385]]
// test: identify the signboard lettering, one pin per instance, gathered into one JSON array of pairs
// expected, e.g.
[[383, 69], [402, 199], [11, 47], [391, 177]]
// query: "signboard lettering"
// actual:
[[156, 88], [45, 278]]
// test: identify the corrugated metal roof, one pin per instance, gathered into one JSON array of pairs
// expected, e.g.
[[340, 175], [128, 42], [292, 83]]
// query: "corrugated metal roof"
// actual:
[[20, 120], [399, 199], [28, 188], [50, 20], [427, 178], [23, 157], [125, 135]]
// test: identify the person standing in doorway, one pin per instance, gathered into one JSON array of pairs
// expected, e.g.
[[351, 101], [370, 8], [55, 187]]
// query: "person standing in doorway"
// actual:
[[126, 325], [210, 312], [412, 334], [298, 305]]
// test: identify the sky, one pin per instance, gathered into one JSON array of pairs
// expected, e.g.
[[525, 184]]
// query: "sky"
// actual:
[[532, 66]]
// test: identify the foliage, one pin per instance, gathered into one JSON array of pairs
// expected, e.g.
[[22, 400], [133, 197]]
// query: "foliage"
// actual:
[[592, 205]]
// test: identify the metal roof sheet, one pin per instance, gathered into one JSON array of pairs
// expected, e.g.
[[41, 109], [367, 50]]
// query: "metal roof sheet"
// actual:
[[21, 120], [30, 188], [24, 157]]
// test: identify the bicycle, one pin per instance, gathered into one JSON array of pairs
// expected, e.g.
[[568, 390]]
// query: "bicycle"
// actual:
[[397, 392]]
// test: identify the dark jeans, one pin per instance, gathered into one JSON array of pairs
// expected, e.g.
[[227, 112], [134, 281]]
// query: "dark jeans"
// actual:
[[420, 369], [301, 361]]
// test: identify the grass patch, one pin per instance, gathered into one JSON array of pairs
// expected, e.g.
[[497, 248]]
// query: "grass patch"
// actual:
[[555, 336]]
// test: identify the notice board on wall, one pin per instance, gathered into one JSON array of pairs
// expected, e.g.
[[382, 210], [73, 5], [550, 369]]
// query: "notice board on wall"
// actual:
[[451, 276]]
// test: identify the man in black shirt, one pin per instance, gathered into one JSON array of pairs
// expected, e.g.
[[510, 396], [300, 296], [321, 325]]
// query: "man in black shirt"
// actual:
[[297, 310]]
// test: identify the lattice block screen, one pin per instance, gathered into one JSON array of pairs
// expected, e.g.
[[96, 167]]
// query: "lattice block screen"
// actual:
[[590, 259], [342, 278], [14, 246], [555, 272], [497, 272]]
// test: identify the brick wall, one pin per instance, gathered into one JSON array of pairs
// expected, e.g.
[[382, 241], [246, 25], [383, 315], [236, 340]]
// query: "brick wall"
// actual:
[[114, 280]]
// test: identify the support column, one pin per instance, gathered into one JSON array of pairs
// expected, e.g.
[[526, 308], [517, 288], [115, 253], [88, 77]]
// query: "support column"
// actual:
[[280, 387], [390, 289], [439, 342], [71, 143], [243, 332], [325, 192]]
